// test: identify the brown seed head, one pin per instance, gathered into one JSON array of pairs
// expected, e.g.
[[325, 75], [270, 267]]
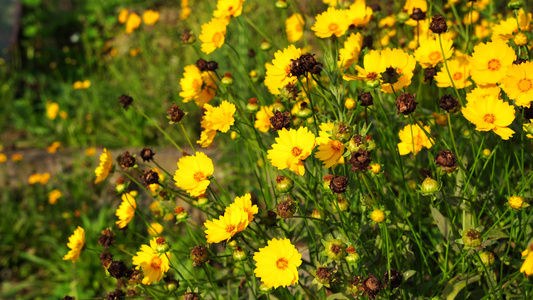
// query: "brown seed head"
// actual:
[[395, 278], [448, 103], [286, 209], [336, 248], [438, 24], [127, 160], [418, 14], [445, 158], [280, 120], [372, 286], [360, 160], [201, 64], [117, 269], [106, 239], [150, 177], [116, 295], [199, 255], [365, 98], [406, 103], [190, 296], [339, 184], [429, 74], [106, 259], [323, 274], [519, 61], [212, 66], [125, 100], [147, 154], [175, 114]]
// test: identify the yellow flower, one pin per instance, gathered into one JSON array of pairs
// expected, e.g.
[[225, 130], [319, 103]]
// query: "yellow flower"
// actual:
[[413, 138], [126, 210], [325, 133], [52, 109], [75, 243], [3, 158], [278, 73], [206, 138], [123, 16], [350, 53], [359, 14], [482, 31], [277, 263], [291, 148], [228, 8], [150, 17], [506, 29], [53, 147], [331, 22], [244, 203], [193, 172], [106, 162], [330, 153], [527, 266], [429, 53], [490, 61], [490, 113], [373, 66], [185, 12], [377, 216], [518, 84], [294, 27], [484, 92], [53, 196], [154, 264], [34, 178], [225, 227], [515, 202], [155, 229], [81, 85], [404, 64], [262, 118], [220, 117], [90, 151], [16, 157], [460, 72], [213, 34], [527, 127], [133, 22], [198, 86], [44, 178]]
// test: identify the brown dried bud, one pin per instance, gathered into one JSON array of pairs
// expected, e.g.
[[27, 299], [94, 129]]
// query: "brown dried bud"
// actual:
[[305, 63], [365, 98], [448, 103], [375, 7], [286, 209], [147, 154], [372, 286], [339, 184], [67, 297], [201, 64], [418, 14], [116, 295], [150, 177], [212, 66], [106, 259], [175, 114], [125, 100], [117, 269], [280, 120], [406, 103], [390, 75], [251, 53], [429, 74], [120, 180], [292, 91], [438, 24], [519, 61], [445, 158], [395, 278], [368, 42], [199, 255], [127, 160], [323, 275], [360, 160], [135, 276], [190, 296], [528, 113], [106, 239], [187, 37]]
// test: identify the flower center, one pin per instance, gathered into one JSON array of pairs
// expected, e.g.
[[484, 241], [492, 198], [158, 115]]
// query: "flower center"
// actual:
[[196, 83], [524, 85], [298, 28], [155, 263], [494, 65], [434, 56], [457, 76], [217, 37], [336, 145], [230, 8], [230, 228], [333, 27], [489, 118], [371, 75], [199, 176], [282, 263], [296, 151]]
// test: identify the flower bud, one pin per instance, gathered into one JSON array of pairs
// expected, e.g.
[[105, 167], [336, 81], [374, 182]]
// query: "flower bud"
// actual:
[[232, 243], [515, 202], [375, 168], [335, 249], [234, 135], [252, 105], [372, 83], [403, 16], [120, 187], [356, 143], [340, 204], [486, 153], [471, 238], [171, 284], [429, 186], [227, 79], [181, 214], [238, 254], [304, 112], [284, 184], [278, 106], [349, 103], [161, 245], [515, 4], [281, 4], [377, 215], [316, 214], [352, 257], [265, 45], [342, 132], [286, 209], [264, 289], [520, 39], [487, 258]]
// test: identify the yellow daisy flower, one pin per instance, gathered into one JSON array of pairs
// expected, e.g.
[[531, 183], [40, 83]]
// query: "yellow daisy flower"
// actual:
[[126, 210], [52, 109], [325, 133], [490, 113], [133, 22], [359, 14], [528, 128], [244, 203], [404, 64], [372, 67], [460, 72], [213, 34], [198, 86], [350, 53], [294, 27], [154, 264], [234, 220], [123, 16], [278, 73], [413, 138], [53, 196], [331, 22], [490, 61], [330, 153], [206, 138], [506, 29], [277, 263], [228, 8], [262, 118], [106, 163], [75, 243], [484, 92], [219, 117], [518, 83], [150, 17], [527, 266], [155, 229], [429, 53], [291, 148], [193, 172]]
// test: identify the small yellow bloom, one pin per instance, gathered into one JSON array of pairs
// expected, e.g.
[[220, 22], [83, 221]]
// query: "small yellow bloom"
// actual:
[[527, 266], [44, 178], [53, 147], [515, 202], [198, 86], [123, 16], [53, 196], [359, 14], [193, 172], [225, 227], [291, 148], [52, 109], [349, 103], [63, 114], [206, 137], [429, 53], [34, 178], [213, 34], [490, 113], [350, 53], [154, 264], [133, 22], [377, 216], [75, 243], [150, 17], [106, 163], [155, 229], [81, 85], [3, 158], [277, 263], [518, 83], [262, 118], [90, 151], [413, 138], [331, 22], [490, 62], [228, 8], [16, 157], [294, 27], [126, 210], [460, 72], [219, 117]]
